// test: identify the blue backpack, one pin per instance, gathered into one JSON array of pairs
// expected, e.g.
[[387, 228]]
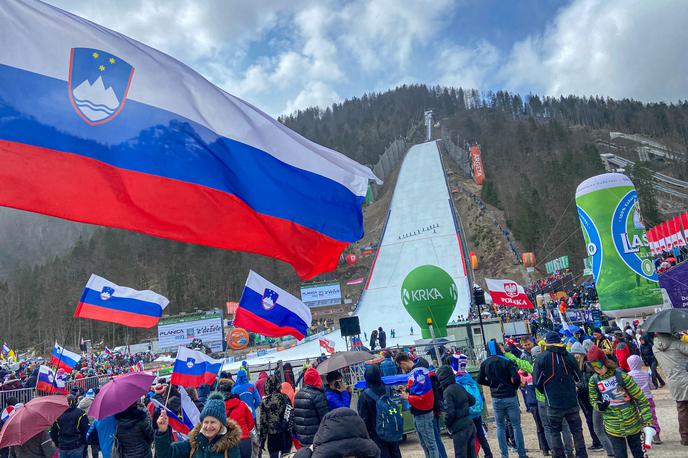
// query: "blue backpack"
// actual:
[[476, 410], [389, 425]]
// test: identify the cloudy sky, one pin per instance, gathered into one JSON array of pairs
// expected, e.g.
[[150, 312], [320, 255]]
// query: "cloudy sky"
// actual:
[[284, 55]]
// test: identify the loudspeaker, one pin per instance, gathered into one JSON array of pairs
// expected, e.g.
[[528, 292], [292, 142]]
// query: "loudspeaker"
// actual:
[[349, 326]]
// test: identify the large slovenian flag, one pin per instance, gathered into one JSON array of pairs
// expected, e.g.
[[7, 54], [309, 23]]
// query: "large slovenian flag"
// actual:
[[270, 311], [99, 128], [63, 358], [105, 301], [193, 368]]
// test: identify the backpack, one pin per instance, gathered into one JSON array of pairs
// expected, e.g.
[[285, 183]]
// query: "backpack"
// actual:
[[476, 410], [389, 425]]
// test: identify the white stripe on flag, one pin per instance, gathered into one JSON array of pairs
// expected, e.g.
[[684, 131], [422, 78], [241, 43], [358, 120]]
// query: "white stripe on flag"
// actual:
[[285, 299]]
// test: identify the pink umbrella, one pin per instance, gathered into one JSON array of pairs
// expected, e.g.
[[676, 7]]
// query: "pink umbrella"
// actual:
[[36, 416], [118, 394]]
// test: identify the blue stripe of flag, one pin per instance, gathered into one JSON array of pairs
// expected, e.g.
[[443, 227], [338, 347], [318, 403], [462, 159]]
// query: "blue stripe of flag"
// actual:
[[122, 304], [279, 315]]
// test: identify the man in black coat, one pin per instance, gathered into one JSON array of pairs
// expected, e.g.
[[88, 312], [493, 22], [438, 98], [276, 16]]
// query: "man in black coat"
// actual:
[[310, 407], [69, 431], [343, 434], [367, 409], [556, 374], [457, 420], [134, 432], [382, 338]]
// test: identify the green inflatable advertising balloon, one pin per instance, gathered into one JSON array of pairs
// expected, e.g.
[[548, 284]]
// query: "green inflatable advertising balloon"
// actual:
[[429, 292], [614, 232]]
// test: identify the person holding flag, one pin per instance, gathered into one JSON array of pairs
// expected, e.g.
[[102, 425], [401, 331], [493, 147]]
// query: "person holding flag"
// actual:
[[62, 358]]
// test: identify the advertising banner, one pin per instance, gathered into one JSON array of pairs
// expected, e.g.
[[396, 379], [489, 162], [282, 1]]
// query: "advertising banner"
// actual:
[[321, 294], [557, 264], [508, 293], [181, 330], [675, 282], [587, 265], [614, 233], [477, 164]]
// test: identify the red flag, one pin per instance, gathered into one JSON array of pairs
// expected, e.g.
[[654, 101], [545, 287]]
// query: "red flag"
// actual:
[[508, 293], [651, 239], [678, 233]]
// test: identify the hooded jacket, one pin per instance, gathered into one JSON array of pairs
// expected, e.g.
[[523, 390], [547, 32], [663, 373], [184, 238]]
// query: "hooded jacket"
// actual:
[[238, 411], [342, 434], [225, 444], [367, 407], [555, 374], [273, 409], [69, 431], [622, 351], [310, 407], [639, 376], [456, 401], [672, 356], [260, 383], [134, 432], [246, 391], [499, 374]]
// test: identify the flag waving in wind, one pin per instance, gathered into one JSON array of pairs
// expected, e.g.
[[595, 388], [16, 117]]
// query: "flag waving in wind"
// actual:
[[193, 368], [99, 128], [63, 358], [269, 310], [103, 300]]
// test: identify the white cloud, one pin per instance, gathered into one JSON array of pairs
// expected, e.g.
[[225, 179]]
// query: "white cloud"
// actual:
[[616, 48], [316, 94], [467, 67]]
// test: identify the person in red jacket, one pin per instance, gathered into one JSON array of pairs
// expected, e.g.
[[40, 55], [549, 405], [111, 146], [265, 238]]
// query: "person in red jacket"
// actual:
[[622, 351], [260, 383], [238, 411]]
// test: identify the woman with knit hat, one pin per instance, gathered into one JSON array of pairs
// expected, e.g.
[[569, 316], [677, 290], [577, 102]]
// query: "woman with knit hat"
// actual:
[[624, 407], [214, 437], [598, 443]]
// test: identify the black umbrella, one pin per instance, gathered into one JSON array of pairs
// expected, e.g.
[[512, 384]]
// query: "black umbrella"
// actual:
[[667, 321]]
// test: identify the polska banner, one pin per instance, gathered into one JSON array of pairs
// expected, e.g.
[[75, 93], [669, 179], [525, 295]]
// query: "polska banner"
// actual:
[[327, 345], [508, 293]]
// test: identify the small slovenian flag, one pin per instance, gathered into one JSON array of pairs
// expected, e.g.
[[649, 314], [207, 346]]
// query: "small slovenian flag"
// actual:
[[181, 425], [63, 358], [108, 351], [193, 368], [105, 301], [48, 382], [5, 348], [270, 311], [6, 413]]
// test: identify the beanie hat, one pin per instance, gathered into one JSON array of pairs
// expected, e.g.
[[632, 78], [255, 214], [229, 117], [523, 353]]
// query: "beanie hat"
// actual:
[[577, 349], [215, 407], [312, 378], [596, 354], [553, 338], [587, 344]]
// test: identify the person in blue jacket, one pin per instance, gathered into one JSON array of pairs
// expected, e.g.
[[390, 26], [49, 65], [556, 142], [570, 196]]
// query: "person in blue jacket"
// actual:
[[387, 366], [337, 393], [459, 363], [246, 391]]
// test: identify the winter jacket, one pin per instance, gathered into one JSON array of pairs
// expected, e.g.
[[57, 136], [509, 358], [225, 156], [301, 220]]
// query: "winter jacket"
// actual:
[[69, 431], [628, 411], [343, 434], [672, 356], [33, 379], [647, 354], [421, 393], [388, 367], [198, 446], [260, 383], [471, 386], [639, 376], [622, 351], [246, 391], [337, 399], [556, 373], [382, 339], [605, 345], [526, 366], [367, 406], [310, 407], [272, 410], [499, 373], [456, 401], [40, 446], [238, 411], [134, 432], [288, 389]]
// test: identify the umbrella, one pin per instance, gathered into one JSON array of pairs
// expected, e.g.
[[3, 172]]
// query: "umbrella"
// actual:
[[343, 359], [668, 321], [118, 394], [36, 416]]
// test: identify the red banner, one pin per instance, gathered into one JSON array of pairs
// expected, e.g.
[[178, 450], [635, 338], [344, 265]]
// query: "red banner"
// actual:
[[477, 164], [508, 293]]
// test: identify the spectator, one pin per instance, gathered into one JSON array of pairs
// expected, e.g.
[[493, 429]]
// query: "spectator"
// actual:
[[343, 434], [527, 345], [134, 432], [420, 396], [69, 431], [625, 410], [367, 409], [602, 342], [672, 356], [622, 351], [642, 379], [337, 394], [288, 389], [578, 353], [276, 419], [463, 378], [246, 391], [39, 446], [373, 339], [387, 366], [238, 411], [501, 375], [214, 437], [649, 360], [260, 383], [456, 404], [382, 338], [310, 407]]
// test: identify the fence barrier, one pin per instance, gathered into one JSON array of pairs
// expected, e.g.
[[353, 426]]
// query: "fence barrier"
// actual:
[[24, 395]]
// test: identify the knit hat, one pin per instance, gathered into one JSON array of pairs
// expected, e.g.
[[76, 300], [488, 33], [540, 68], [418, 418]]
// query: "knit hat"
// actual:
[[577, 349], [596, 354], [598, 330], [553, 338], [587, 344], [215, 407], [90, 393]]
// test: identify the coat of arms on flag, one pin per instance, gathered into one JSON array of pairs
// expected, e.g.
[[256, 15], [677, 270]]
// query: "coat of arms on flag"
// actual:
[[269, 299]]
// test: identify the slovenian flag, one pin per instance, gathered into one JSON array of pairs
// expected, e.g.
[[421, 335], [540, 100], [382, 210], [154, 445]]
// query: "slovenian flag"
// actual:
[[103, 300], [193, 368], [270, 311], [107, 351], [190, 416], [99, 128], [62, 358], [48, 382]]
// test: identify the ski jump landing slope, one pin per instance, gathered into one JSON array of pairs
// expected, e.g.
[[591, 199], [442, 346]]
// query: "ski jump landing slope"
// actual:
[[420, 230]]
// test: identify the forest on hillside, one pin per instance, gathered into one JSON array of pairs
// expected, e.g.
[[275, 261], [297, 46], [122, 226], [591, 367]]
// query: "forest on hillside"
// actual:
[[536, 152]]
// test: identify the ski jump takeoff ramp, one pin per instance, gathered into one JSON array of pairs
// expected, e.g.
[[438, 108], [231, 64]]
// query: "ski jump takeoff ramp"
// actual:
[[420, 230]]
